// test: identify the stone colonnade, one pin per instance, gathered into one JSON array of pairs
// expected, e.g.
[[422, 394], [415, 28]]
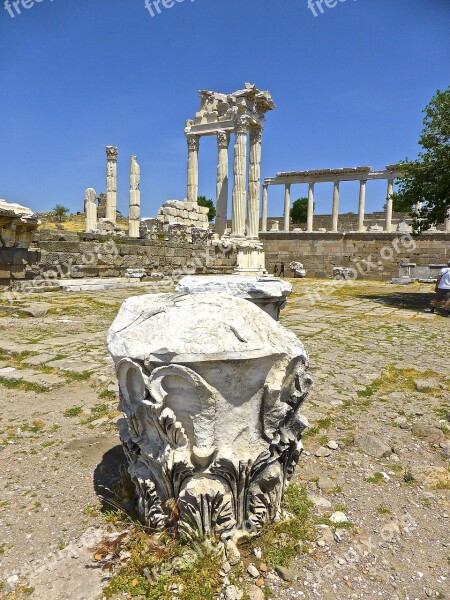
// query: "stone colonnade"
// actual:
[[241, 114], [245, 196], [90, 206], [335, 176]]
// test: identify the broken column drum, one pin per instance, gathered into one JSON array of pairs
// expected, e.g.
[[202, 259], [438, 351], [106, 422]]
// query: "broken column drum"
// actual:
[[211, 413]]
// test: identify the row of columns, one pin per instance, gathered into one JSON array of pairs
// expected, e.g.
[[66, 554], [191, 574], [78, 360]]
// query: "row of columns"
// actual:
[[335, 208], [245, 198], [111, 195]]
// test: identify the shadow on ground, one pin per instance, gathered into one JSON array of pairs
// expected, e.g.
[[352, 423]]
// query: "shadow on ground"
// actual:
[[407, 300], [108, 475]]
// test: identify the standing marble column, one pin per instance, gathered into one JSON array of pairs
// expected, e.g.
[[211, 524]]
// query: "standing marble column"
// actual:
[[254, 183], [389, 205], [310, 214], [111, 182], [90, 209], [239, 172], [362, 204], [287, 206], [193, 142], [335, 214], [223, 142], [265, 200], [134, 216]]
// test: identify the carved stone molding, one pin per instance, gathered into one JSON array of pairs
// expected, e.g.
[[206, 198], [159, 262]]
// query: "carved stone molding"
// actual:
[[211, 415]]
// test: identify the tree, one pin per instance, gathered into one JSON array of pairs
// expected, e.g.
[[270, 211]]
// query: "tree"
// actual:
[[60, 211], [299, 210], [202, 201], [427, 179]]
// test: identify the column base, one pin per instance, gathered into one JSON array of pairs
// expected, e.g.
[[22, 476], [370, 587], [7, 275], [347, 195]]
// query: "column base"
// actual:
[[251, 260]]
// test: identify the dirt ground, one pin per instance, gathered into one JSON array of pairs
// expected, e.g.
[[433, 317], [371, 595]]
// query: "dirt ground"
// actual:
[[377, 449]]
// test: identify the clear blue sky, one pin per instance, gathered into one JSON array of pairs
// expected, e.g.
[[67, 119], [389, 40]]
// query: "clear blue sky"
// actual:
[[77, 75]]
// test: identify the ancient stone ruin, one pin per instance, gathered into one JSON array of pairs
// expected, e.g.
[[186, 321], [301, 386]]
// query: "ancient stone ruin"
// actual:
[[210, 388], [17, 224]]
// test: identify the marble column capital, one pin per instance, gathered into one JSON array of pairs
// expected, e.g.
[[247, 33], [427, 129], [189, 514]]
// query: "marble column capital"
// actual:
[[223, 140], [193, 141], [256, 135], [243, 124], [111, 153]]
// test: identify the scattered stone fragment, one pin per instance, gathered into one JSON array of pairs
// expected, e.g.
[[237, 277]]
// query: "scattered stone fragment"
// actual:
[[338, 517], [36, 310], [425, 385], [326, 534], [232, 553], [319, 502], [233, 593], [285, 574], [254, 592], [322, 452], [433, 435], [372, 445], [332, 445], [327, 485], [252, 571], [402, 422]]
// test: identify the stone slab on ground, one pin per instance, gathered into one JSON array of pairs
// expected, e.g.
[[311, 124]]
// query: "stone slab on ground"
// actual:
[[40, 359], [47, 380], [73, 366]]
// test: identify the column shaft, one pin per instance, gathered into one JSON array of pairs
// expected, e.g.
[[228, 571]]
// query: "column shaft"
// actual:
[[335, 215], [362, 205], [287, 206], [254, 183], [111, 182], [264, 208], [389, 205], [310, 216], [192, 172], [239, 171], [223, 142], [134, 217]]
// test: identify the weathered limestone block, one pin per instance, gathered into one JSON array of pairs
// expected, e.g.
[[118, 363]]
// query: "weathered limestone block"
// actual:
[[210, 388]]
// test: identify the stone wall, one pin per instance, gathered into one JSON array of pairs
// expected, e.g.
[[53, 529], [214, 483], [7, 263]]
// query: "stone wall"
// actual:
[[347, 222], [374, 255], [17, 263], [72, 255]]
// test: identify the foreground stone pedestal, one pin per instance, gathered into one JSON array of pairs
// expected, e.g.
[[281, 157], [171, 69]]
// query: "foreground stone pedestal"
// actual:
[[269, 293], [250, 258], [211, 388]]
